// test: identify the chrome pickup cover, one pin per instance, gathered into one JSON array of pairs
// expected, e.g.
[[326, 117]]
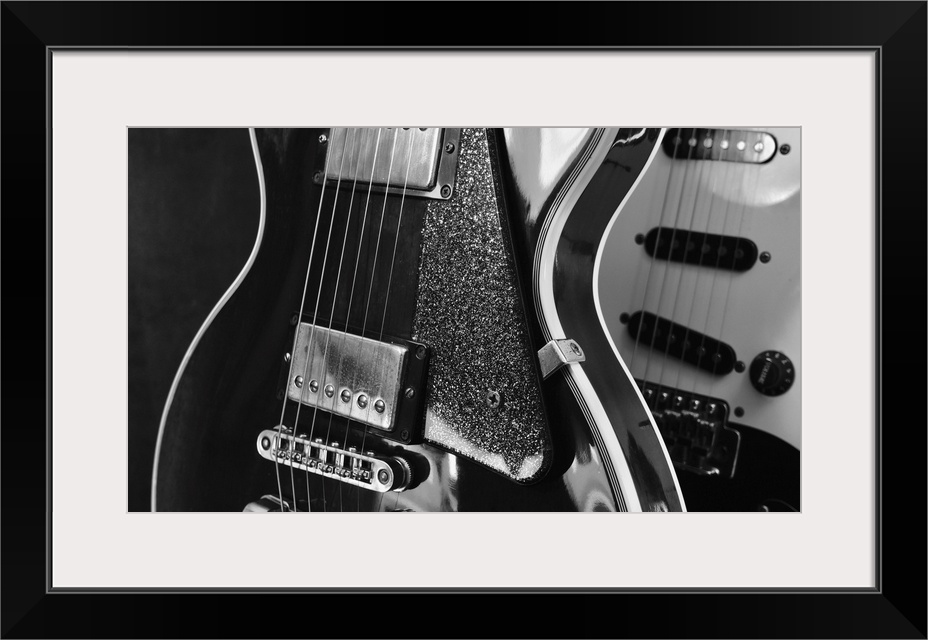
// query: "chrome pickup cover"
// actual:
[[348, 375], [416, 161]]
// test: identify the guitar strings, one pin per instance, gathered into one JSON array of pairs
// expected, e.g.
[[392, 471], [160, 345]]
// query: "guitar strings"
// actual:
[[348, 314], [650, 263], [663, 285], [708, 142], [386, 300], [722, 139], [322, 382], [325, 258], [700, 166], [356, 172], [748, 194], [371, 286], [309, 264], [310, 354]]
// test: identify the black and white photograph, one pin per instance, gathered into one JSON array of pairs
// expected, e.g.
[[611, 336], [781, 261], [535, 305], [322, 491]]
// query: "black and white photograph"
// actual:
[[578, 319], [459, 319]]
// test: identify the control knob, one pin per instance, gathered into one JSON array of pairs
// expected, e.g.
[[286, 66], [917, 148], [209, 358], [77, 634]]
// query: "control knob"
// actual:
[[772, 373]]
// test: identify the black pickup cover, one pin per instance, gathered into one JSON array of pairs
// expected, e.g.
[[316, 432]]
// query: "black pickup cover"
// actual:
[[675, 340], [704, 249]]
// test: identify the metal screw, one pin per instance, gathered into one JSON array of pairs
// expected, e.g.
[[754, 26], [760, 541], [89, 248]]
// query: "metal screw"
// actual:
[[265, 443], [765, 257], [494, 399], [420, 352], [362, 401], [379, 406], [410, 392], [449, 148], [286, 357], [784, 149], [317, 177], [298, 381], [314, 385], [445, 191], [329, 390], [383, 476], [404, 434], [323, 139], [346, 395], [293, 320]]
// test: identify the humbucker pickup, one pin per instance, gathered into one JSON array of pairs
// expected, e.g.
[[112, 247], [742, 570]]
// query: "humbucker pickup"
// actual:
[[371, 382], [415, 161], [350, 466]]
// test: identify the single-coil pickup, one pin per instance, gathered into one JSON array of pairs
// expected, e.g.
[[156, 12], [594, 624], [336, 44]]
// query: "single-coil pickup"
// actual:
[[676, 340], [726, 145], [332, 460], [705, 249]]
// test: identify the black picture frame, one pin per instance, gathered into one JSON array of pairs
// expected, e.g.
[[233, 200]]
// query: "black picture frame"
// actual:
[[896, 607]]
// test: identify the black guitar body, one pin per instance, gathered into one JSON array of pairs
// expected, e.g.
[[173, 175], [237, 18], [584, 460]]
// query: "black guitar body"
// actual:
[[375, 260]]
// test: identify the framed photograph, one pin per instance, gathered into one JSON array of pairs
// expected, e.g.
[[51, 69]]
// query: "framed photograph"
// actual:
[[418, 301]]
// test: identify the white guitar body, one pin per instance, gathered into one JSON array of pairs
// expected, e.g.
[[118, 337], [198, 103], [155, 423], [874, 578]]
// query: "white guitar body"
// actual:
[[753, 311]]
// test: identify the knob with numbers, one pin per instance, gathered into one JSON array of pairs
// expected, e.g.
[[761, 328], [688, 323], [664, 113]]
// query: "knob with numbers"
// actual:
[[772, 373]]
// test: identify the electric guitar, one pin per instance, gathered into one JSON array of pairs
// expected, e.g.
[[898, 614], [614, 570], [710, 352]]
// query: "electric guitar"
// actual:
[[704, 305], [418, 328]]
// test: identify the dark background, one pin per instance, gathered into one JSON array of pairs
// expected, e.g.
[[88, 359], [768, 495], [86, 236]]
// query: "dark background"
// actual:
[[193, 218]]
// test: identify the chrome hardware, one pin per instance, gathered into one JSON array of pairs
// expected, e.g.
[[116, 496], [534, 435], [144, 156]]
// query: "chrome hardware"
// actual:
[[298, 381], [366, 470], [557, 353], [379, 406], [433, 154], [354, 366]]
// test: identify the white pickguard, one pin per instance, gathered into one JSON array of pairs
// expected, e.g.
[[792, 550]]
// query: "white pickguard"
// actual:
[[753, 311]]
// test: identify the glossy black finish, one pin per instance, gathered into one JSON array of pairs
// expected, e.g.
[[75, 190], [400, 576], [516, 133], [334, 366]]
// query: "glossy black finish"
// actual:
[[574, 286], [767, 473], [574, 290], [230, 387]]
